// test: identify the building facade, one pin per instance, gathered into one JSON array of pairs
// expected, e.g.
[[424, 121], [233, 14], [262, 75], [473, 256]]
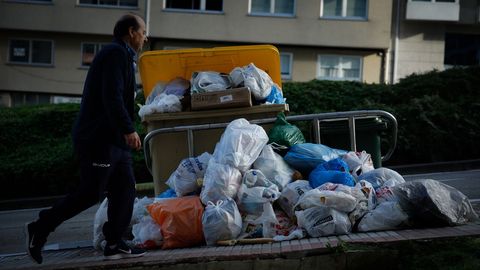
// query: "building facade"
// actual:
[[46, 45]]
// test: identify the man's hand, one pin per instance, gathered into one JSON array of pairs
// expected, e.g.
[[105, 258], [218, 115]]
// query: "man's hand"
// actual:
[[133, 140]]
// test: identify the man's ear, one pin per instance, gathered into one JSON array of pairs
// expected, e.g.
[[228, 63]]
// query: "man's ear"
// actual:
[[130, 31]]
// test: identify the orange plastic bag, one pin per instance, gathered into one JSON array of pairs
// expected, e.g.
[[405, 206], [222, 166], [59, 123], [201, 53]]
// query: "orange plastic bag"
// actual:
[[180, 220]]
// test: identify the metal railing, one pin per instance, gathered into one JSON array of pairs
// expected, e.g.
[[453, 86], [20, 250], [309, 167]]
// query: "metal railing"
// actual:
[[351, 116]]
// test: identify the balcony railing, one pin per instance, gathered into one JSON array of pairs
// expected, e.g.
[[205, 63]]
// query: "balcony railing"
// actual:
[[433, 11]]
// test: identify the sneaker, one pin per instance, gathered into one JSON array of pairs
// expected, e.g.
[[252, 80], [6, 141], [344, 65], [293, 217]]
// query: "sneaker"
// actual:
[[122, 250], [34, 242]]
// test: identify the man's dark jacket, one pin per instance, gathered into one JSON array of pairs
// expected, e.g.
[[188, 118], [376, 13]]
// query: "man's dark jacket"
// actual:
[[107, 109]]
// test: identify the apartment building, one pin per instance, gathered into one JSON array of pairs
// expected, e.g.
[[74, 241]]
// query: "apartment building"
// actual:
[[46, 46], [434, 34]]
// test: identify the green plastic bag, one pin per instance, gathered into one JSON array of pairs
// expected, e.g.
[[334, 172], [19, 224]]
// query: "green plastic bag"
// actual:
[[284, 133]]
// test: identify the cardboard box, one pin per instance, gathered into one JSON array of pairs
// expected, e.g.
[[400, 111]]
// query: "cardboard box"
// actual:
[[231, 98]]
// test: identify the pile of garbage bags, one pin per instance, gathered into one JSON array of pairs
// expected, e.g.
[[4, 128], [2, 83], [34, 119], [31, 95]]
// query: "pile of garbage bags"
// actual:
[[246, 189], [173, 96]]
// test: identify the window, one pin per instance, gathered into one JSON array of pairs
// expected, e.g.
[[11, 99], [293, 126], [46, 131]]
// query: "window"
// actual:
[[350, 9], [31, 51], [21, 99], [339, 67], [34, 1], [462, 50], [286, 65], [110, 3], [195, 5], [272, 7], [445, 1], [88, 52]]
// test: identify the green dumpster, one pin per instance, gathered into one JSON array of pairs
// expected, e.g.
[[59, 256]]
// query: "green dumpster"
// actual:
[[335, 134]]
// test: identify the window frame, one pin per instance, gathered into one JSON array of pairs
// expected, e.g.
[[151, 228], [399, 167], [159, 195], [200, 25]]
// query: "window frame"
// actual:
[[98, 47], [344, 12], [340, 56], [290, 65], [30, 52], [202, 9], [435, 1], [39, 2], [272, 13], [98, 5]]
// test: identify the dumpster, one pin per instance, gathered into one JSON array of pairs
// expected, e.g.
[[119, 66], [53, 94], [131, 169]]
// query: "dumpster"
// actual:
[[335, 133], [167, 150]]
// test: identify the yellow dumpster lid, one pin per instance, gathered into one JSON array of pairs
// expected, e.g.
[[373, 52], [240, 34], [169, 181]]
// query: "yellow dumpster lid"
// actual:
[[165, 65]]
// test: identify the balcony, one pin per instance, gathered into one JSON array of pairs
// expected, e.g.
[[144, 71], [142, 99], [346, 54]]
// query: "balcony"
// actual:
[[433, 10]]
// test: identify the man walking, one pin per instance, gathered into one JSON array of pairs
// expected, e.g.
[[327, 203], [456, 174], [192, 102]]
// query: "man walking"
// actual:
[[103, 136]]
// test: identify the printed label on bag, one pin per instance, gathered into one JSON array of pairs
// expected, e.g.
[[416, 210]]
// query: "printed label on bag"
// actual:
[[227, 98]]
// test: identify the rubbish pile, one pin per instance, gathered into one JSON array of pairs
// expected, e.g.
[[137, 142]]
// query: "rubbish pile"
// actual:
[[201, 91], [245, 189]]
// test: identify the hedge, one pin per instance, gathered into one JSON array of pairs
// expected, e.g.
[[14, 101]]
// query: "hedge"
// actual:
[[438, 116]]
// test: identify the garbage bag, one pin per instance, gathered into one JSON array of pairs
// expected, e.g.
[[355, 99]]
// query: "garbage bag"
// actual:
[[180, 220], [284, 133], [260, 225], [221, 221], [323, 221], [256, 190], [162, 103], [147, 233], [99, 220], [333, 171], [184, 180], [430, 203], [363, 193], [210, 81], [273, 167], [382, 177], [358, 163], [221, 181], [335, 199], [275, 96], [306, 156], [257, 80], [386, 216], [290, 195], [240, 144]]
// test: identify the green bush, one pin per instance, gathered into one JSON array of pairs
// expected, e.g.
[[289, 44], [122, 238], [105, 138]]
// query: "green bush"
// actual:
[[438, 116]]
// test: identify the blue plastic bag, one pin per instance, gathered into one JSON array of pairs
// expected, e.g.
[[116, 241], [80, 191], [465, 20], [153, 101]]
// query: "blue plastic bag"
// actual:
[[275, 96], [305, 157], [334, 171]]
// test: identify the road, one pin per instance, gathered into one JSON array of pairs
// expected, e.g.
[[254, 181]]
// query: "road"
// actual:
[[78, 231]]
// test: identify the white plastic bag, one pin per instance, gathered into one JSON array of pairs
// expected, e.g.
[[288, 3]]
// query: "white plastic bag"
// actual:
[[221, 181], [100, 219], [382, 177], [184, 179], [386, 216], [358, 163], [258, 226], [221, 221], [161, 104], [147, 233], [254, 78], [335, 199], [240, 144], [139, 209], [323, 221], [273, 167], [210, 81], [255, 191], [290, 195]]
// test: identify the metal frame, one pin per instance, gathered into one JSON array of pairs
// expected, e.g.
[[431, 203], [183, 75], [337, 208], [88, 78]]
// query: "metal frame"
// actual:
[[351, 116]]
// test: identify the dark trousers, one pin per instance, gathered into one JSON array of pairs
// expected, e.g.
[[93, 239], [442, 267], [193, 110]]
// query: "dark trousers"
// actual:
[[105, 170]]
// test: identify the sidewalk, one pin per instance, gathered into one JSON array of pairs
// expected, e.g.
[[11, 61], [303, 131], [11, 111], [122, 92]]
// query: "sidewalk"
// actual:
[[310, 253]]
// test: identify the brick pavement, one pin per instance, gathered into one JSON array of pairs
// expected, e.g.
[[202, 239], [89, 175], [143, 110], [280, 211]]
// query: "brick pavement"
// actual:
[[213, 257]]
